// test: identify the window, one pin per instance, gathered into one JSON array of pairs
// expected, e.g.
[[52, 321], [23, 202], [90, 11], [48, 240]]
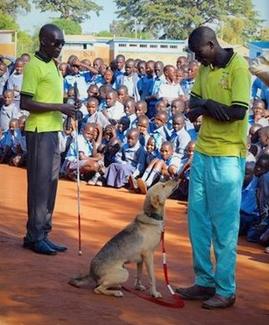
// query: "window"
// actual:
[[122, 45], [84, 46], [164, 46], [143, 45], [173, 46], [153, 46], [133, 45]]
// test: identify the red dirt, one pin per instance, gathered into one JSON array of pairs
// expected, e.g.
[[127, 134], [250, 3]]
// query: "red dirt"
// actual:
[[34, 289]]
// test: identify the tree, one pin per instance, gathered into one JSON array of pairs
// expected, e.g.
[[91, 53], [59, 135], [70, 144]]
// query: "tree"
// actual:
[[76, 10], [12, 7], [120, 28], [25, 43], [7, 22], [69, 26], [177, 18]]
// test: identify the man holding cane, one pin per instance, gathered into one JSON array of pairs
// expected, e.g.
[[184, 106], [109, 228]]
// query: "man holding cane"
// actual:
[[221, 94], [42, 95]]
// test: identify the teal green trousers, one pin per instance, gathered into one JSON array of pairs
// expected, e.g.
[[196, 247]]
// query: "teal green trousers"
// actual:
[[213, 218]]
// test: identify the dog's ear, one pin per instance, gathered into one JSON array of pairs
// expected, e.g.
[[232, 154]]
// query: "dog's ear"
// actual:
[[157, 201]]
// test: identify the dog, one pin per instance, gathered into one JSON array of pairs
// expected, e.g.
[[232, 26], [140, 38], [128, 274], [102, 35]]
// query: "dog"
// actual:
[[135, 243]]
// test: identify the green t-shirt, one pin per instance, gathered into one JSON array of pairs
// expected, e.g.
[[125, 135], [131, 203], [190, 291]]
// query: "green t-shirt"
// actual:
[[229, 85], [43, 81]]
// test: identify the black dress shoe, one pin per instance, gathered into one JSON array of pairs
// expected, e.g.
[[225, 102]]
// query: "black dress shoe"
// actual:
[[196, 292], [218, 301], [58, 248], [40, 247]]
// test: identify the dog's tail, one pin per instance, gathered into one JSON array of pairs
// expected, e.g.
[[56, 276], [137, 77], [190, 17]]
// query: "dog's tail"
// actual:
[[81, 281]]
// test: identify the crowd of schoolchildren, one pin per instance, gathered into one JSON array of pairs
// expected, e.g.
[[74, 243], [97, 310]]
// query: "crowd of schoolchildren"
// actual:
[[132, 130]]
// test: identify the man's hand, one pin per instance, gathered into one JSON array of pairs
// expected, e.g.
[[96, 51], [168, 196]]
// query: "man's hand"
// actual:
[[196, 102], [216, 110], [194, 113], [68, 109]]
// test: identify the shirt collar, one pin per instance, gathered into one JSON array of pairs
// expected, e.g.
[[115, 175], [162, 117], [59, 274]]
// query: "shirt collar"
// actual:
[[42, 57]]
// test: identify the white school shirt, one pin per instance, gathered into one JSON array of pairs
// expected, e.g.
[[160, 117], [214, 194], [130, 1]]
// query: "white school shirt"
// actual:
[[170, 91], [116, 111]]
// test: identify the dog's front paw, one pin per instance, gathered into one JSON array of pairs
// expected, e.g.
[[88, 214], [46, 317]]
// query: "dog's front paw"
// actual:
[[155, 294], [118, 293]]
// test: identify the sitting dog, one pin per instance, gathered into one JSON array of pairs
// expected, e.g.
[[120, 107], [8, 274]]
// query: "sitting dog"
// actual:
[[135, 243]]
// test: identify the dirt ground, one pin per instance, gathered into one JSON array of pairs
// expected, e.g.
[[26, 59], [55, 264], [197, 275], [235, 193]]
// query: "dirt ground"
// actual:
[[34, 289]]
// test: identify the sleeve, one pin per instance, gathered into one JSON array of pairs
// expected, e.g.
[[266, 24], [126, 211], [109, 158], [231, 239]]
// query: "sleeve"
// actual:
[[31, 79], [141, 161]]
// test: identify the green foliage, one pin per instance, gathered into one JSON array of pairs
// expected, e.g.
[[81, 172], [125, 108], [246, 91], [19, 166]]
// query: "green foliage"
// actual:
[[7, 22], [177, 18], [25, 43], [264, 34], [69, 26], [120, 28], [12, 7], [75, 10], [103, 33]]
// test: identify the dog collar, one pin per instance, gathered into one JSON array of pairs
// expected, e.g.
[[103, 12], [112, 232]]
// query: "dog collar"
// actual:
[[155, 216]]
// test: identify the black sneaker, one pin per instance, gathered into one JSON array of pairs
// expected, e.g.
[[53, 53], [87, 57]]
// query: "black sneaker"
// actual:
[[218, 301]]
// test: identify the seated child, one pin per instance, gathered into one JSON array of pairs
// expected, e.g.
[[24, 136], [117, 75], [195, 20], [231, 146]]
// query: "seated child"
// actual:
[[122, 129], [129, 160], [158, 130], [85, 157], [129, 109], [93, 115], [19, 147], [143, 126], [166, 166], [8, 110], [258, 116], [8, 141], [114, 110], [179, 137]]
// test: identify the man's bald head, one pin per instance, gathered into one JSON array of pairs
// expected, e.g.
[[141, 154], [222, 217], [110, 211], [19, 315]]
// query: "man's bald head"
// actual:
[[201, 36], [49, 29]]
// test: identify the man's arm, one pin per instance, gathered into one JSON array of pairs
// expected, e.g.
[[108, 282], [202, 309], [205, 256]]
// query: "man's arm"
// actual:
[[27, 103]]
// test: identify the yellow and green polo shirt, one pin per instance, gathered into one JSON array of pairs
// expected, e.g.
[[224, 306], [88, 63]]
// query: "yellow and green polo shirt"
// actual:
[[44, 83], [229, 85]]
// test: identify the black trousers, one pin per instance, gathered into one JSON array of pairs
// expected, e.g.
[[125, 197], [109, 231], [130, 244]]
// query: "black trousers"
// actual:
[[43, 164]]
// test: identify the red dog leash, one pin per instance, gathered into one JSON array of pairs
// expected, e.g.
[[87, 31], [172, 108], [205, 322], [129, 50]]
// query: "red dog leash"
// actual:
[[178, 302]]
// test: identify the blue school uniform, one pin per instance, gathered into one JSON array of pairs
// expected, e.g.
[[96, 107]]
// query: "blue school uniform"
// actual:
[[83, 146], [180, 140]]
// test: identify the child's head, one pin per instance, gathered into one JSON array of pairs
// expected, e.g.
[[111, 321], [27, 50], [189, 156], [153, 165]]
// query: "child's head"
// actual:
[[8, 97], [149, 68], [97, 63], [132, 137], [108, 76], [161, 106], [26, 57], [19, 66], [151, 144], [197, 123], [102, 69], [262, 164], [123, 94], [264, 136], [179, 75], [258, 107], [123, 124], [111, 98], [21, 122], [89, 131], [120, 61], [181, 60], [63, 68], [3, 68], [193, 70], [129, 107], [178, 122], [170, 73], [160, 119], [93, 91], [142, 124], [141, 67], [92, 105], [129, 67], [190, 149], [71, 92], [249, 172], [166, 150], [158, 68], [253, 132], [13, 124], [141, 108], [108, 132], [177, 106]]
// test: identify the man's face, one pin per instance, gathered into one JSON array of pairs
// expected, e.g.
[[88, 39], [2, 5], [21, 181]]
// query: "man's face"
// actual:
[[203, 53], [53, 43]]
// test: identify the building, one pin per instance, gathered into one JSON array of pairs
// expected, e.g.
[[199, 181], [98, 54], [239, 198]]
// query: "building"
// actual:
[[8, 42], [259, 48], [89, 47]]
